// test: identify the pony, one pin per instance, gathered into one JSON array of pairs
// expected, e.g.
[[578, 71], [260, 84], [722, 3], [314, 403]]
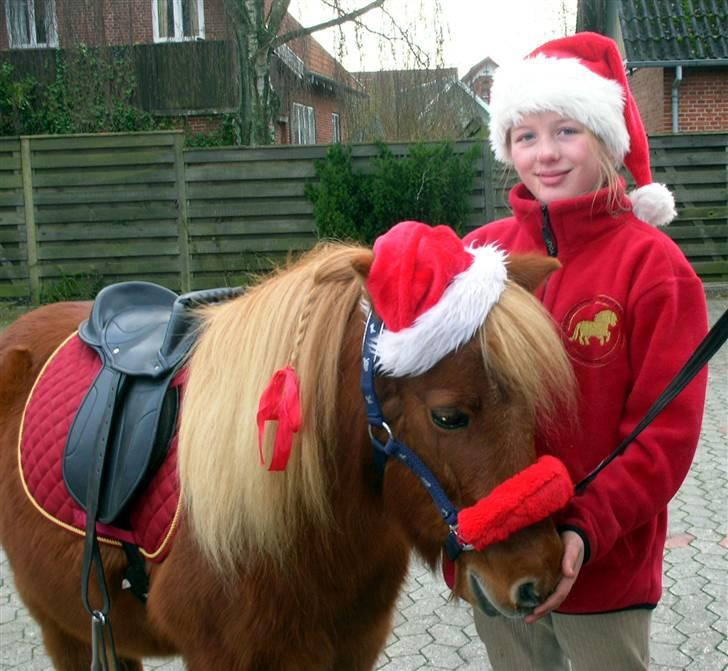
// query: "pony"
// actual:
[[301, 569]]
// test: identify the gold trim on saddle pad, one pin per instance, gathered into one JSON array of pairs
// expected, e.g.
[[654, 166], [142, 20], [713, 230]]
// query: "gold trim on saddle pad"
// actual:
[[69, 527]]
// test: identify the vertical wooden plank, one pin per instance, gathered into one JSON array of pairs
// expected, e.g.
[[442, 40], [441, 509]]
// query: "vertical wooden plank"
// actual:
[[183, 220], [26, 170], [488, 188]]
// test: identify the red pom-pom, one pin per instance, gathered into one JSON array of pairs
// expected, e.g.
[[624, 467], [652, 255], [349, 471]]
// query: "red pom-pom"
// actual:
[[528, 497]]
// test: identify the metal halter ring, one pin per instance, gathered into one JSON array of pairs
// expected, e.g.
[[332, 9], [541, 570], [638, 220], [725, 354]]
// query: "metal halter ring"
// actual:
[[384, 426]]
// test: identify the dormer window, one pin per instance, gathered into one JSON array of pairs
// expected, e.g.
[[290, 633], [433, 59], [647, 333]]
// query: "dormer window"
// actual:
[[31, 23], [178, 20]]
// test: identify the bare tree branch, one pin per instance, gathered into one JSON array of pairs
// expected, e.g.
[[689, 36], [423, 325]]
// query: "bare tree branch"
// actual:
[[344, 18], [278, 10]]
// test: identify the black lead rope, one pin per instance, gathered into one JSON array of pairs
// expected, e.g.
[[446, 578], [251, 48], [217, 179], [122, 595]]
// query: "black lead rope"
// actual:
[[705, 350]]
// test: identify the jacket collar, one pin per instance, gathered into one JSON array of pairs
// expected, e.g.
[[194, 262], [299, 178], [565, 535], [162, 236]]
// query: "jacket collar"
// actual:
[[574, 221]]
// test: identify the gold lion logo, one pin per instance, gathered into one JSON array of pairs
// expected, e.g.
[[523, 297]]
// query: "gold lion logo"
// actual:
[[595, 328]]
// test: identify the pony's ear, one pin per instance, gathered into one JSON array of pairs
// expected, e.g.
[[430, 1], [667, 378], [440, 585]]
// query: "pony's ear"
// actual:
[[530, 270], [362, 262]]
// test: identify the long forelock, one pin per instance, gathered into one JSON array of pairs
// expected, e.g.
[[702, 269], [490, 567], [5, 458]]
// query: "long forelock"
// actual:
[[234, 504], [523, 350]]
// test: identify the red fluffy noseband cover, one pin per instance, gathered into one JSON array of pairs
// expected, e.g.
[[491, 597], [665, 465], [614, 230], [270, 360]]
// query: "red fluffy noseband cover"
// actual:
[[528, 497]]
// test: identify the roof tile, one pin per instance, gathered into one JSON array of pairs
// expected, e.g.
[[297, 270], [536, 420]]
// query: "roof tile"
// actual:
[[674, 30]]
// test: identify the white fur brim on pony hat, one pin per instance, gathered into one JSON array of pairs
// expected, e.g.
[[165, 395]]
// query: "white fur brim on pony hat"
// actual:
[[581, 77], [431, 292]]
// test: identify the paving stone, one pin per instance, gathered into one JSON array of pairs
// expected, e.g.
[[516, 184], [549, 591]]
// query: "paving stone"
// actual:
[[668, 655], [665, 632]]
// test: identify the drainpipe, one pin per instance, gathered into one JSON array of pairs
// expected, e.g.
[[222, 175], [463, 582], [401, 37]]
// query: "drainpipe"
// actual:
[[676, 99]]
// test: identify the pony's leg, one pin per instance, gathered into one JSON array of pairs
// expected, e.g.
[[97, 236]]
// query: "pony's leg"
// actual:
[[359, 650], [71, 654]]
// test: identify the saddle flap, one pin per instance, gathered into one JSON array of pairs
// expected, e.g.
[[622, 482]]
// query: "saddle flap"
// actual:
[[139, 432]]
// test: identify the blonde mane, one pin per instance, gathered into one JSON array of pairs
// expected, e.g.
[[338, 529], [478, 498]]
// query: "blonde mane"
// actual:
[[522, 349], [234, 504]]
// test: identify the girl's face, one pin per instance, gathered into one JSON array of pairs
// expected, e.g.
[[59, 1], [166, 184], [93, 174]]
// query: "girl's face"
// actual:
[[555, 157]]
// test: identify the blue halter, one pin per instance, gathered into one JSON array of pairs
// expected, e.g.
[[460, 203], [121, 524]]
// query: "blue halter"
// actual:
[[394, 448]]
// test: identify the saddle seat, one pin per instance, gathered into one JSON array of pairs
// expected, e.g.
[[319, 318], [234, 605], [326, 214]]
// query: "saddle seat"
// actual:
[[123, 427]]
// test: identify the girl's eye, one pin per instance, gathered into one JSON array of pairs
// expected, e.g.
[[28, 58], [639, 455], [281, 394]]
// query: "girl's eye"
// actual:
[[449, 418], [523, 137], [568, 130]]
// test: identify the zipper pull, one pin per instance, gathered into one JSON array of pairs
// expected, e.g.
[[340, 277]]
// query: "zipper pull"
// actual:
[[548, 234]]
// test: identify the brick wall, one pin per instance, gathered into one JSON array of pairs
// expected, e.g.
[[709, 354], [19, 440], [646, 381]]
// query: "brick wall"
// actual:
[[703, 99], [216, 26], [324, 106], [97, 22], [647, 86]]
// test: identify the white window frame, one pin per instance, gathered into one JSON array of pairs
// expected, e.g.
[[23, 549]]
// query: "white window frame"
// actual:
[[335, 127], [303, 128], [51, 28], [178, 28]]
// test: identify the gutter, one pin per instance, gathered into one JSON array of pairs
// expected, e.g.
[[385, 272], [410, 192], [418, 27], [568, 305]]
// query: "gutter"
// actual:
[[676, 99]]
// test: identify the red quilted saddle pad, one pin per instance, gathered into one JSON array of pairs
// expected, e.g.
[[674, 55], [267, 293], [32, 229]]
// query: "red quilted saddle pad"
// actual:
[[49, 412]]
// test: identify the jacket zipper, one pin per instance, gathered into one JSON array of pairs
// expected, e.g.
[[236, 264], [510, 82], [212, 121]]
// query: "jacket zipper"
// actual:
[[549, 240], [547, 232]]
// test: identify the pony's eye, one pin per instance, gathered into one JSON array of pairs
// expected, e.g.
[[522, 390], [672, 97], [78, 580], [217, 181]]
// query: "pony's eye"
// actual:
[[449, 418]]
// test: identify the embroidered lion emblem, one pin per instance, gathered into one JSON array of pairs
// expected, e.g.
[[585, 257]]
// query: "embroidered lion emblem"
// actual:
[[595, 328]]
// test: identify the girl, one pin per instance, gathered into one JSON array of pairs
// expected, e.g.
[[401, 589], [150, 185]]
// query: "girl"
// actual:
[[630, 310]]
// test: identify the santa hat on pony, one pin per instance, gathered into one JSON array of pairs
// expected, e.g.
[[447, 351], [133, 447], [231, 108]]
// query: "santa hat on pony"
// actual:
[[431, 292], [581, 77]]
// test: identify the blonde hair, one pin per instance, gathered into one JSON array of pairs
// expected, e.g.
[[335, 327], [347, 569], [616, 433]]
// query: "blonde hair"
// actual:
[[608, 175], [301, 313]]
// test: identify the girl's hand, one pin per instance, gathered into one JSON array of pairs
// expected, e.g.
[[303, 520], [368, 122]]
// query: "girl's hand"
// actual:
[[570, 566]]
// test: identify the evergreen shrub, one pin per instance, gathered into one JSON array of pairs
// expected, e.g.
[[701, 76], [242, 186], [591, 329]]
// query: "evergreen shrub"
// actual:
[[431, 183]]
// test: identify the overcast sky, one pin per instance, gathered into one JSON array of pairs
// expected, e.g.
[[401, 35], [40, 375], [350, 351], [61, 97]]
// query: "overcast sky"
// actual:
[[472, 29]]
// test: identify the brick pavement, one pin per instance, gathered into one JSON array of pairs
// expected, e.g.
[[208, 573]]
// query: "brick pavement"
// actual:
[[690, 626]]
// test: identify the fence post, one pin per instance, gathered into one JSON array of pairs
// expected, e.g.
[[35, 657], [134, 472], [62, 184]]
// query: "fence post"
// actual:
[[183, 222], [488, 190], [26, 171]]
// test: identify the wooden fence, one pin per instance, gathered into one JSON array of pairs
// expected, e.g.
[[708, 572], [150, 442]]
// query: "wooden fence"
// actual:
[[107, 208]]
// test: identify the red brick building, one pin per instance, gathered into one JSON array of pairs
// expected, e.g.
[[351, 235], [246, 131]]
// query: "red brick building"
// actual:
[[479, 78], [676, 59], [309, 82]]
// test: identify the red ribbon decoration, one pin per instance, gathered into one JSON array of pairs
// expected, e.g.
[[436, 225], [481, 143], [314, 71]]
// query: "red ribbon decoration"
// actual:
[[280, 402]]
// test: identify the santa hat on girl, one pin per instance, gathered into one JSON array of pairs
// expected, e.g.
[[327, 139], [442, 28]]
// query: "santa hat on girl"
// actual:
[[581, 77], [431, 292]]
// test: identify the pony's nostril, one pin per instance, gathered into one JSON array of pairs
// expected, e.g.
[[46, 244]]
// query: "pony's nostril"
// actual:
[[528, 595]]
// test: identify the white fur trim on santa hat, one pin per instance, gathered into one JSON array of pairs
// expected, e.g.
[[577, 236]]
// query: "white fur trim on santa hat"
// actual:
[[653, 203], [564, 85], [448, 324]]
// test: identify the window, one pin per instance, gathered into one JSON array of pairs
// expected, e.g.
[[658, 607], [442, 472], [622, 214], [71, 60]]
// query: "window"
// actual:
[[31, 23], [303, 129], [178, 20], [335, 127]]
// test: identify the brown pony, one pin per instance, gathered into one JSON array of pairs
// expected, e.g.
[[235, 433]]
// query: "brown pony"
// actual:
[[299, 569]]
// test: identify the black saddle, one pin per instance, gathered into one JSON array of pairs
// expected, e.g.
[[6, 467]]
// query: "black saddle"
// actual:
[[122, 429]]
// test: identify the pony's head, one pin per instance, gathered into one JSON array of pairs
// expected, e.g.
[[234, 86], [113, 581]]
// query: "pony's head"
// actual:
[[468, 409], [471, 364]]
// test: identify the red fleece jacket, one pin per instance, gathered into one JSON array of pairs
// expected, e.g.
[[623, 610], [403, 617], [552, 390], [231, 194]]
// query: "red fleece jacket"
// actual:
[[631, 311]]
